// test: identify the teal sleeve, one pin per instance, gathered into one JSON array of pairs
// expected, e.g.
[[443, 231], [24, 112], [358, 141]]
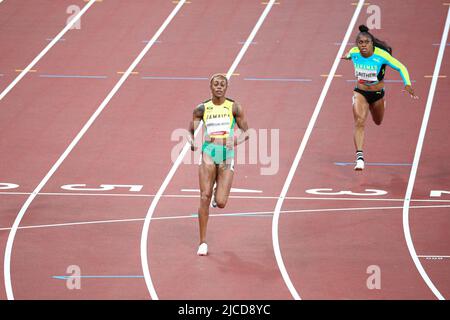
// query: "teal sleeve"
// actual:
[[397, 65]]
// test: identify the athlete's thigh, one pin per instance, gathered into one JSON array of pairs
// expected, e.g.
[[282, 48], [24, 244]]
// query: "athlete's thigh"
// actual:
[[207, 174], [225, 175], [377, 110], [360, 106]]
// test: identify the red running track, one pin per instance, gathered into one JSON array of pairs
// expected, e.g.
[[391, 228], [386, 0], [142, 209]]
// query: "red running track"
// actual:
[[27, 27], [334, 249], [326, 252], [34, 121]]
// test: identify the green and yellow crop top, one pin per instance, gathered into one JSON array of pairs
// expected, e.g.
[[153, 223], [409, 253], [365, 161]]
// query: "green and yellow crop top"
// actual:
[[218, 119]]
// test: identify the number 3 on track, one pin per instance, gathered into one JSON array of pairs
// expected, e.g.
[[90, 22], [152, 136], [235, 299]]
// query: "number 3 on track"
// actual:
[[328, 192]]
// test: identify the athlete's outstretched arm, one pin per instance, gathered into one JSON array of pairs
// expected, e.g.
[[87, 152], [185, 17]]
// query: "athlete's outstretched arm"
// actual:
[[197, 116], [241, 121], [401, 68]]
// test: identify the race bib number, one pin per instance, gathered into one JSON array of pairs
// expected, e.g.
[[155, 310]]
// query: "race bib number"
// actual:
[[366, 75], [220, 126]]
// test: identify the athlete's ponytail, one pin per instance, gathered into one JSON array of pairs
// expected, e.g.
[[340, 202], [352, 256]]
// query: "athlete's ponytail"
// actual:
[[364, 31]]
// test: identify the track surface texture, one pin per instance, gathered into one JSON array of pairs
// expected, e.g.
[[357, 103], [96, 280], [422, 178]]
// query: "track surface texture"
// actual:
[[87, 142]]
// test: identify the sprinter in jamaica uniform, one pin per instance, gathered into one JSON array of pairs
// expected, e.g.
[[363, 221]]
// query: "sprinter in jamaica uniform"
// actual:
[[219, 115]]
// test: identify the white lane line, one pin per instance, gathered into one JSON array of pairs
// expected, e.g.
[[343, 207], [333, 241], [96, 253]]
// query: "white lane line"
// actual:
[[143, 195], [276, 216], [146, 228], [235, 214], [412, 176], [233, 190], [9, 244], [46, 49]]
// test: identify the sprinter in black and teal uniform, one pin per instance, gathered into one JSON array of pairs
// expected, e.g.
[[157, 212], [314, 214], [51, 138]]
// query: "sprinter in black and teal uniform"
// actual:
[[219, 115], [370, 58]]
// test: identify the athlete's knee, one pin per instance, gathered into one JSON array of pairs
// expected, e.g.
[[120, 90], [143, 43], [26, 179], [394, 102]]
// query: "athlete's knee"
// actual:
[[221, 202], [205, 196], [360, 122]]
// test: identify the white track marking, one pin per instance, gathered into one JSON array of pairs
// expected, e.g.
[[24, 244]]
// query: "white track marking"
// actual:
[[148, 218], [235, 214], [9, 244], [434, 257], [276, 216], [46, 49], [143, 195], [416, 160], [232, 190]]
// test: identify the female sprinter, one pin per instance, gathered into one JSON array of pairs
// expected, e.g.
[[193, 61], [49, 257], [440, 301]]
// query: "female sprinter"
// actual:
[[219, 115], [370, 58]]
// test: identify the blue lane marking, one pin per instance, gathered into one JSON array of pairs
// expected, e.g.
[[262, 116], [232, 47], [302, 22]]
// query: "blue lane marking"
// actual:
[[51, 39], [280, 79], [243, 42], [71, 76], [147, 41], [348, 43], [248, 215], [374, 164], [240, 215], [173, 78], [397, 81], [97, 277], [387, 81]]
